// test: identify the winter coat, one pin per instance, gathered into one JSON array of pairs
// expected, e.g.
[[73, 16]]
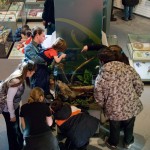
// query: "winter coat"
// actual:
[[48, 12], [78, 128], [131, 3], [117, 89]]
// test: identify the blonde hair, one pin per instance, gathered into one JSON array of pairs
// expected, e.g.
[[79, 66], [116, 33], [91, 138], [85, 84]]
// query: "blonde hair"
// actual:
[[60, 45], [35, 95]]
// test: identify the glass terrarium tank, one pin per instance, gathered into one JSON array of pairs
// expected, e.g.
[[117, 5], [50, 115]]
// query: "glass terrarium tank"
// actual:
[[78, 26]]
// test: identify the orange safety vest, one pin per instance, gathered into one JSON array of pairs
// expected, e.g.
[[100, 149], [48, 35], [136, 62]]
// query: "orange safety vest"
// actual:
[[60, 122]]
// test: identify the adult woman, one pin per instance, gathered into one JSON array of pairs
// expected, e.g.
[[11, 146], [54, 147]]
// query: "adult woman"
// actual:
[[15, 86], [36, 121], [32, 50], [117, 90]]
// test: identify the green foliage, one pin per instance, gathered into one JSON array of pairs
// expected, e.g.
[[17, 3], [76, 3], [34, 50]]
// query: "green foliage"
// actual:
[[86, 78], [81, 102]]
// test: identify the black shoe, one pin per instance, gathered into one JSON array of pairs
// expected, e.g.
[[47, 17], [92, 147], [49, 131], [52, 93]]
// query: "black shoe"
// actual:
[[113, 19], [130, 18], [123, 18]]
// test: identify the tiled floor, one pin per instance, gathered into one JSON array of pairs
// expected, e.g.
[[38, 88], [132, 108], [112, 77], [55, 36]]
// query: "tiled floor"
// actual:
[[120, 28]]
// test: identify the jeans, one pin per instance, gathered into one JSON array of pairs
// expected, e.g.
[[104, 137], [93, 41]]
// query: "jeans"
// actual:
[[15, 137], [127, 126], [128, 12], [41, 78]]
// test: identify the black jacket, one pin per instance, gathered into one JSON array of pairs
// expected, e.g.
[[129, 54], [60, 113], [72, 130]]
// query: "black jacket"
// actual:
[[78, 128], [130, 2], [48, 12]]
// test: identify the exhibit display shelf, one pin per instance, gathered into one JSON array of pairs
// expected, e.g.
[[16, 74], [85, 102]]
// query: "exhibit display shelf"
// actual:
[[139, 50]]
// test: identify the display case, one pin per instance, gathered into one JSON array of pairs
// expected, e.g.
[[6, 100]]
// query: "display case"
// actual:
[[139, 50], [34, 9], [12, 14], [15, 53], [6, 41]]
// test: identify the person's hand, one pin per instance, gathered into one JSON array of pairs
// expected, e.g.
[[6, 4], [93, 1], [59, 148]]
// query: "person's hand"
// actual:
[[19, 46], [85, 48], [63, 55], [13, 119], [44, 22]]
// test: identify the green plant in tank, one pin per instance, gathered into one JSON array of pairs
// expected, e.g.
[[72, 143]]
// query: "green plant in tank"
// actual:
[[86, 78]]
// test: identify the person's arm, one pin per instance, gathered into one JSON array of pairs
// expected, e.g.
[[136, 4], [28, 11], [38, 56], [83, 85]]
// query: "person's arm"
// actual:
[[59, 58], [49, 121], [92, 47], [32, 54], [23, 125], [10, 96]]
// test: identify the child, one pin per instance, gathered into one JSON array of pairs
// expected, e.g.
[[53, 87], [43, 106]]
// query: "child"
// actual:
[[76, 125], [25, 39], [36, 121], [17, 36], [55, 52]]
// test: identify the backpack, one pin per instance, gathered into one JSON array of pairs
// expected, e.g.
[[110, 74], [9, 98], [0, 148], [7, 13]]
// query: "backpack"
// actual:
[[3, 96]]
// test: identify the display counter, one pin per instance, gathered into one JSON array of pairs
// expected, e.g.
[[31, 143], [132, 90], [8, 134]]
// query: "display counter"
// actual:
[[139, 50]]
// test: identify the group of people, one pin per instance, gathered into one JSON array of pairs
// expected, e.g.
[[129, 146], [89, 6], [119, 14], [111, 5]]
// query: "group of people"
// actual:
[[36, 114], [117, 90]]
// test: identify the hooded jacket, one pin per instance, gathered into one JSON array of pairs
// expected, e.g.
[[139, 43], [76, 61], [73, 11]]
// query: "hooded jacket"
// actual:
[[117, 89], [78, 128]]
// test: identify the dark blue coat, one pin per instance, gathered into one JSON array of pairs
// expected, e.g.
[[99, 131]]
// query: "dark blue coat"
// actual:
[[131, 3]]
